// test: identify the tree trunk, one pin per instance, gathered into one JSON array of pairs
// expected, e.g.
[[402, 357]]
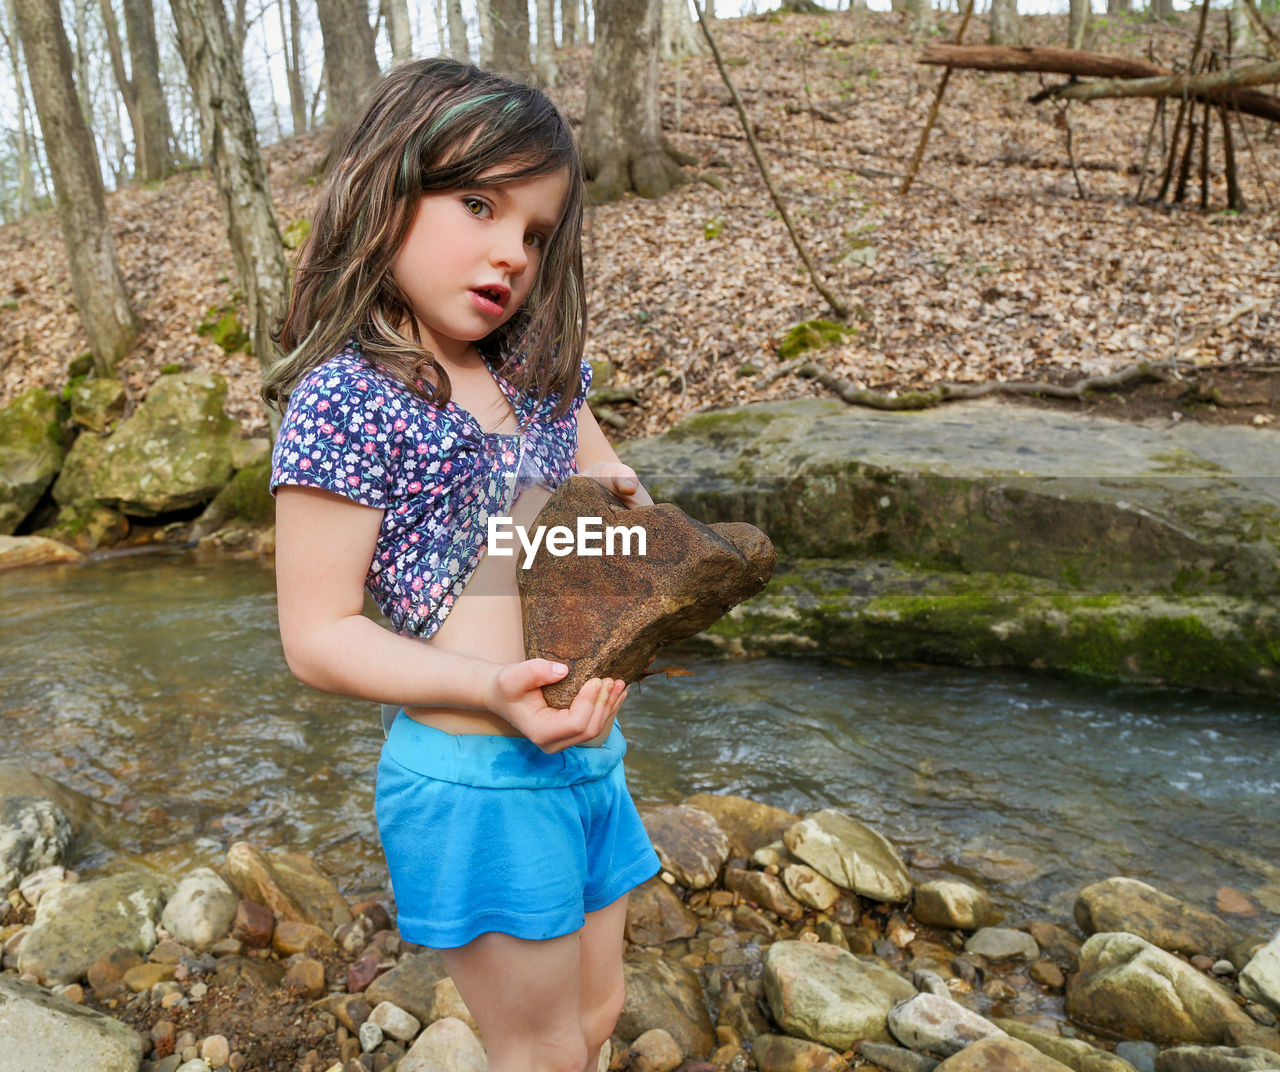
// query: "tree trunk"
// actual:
[[1119, 7], [230, 144], [1078, 22], [1243, 39], [291, 46], [396, 12], [511, 38], [484, 16], [349, 60], [621, 141], [544, 60], [458, 47], [1162, 9], [84, 90], [26, 180], [152, 133], [680, 34], [1005, 28], [570, 20], [1175, 85], [96, 282]]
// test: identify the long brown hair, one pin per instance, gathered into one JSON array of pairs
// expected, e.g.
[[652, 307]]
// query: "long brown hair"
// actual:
[[432, 125]]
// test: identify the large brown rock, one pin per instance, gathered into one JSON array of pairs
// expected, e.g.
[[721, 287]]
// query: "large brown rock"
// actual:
[[1001, 1055], [606, 615], [666, 994], [288, 883], [1125, 904], [655, 914], [748, 824], [689, 843]]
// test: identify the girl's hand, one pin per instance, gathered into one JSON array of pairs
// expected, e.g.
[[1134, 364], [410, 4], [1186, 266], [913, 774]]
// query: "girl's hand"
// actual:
[[515, 693], [622, 481]]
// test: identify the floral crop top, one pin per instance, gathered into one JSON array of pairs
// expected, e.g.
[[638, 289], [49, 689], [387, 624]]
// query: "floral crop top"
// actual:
[[437, 475]]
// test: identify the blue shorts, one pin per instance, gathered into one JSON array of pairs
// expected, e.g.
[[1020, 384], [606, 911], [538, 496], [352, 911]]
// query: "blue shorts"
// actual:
[[487, 833]]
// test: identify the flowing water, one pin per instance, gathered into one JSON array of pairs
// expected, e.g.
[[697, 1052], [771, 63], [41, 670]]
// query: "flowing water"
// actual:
[[153, 690]]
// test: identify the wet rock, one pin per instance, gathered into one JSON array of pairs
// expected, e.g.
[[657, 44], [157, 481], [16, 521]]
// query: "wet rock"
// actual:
[[173, 453], [608, 615], [783, 1053], [741, 1012], [748, 824], [201, 910], [38, 883], [953, 904], [395, 1022], [937, 1025], [659, 1049], [851, 855], [664, 994], [31, 452], [897, 1058], [1048, 974], [822, 993], [291, 937], [19, 551], [746, 918], [810, 888], [253, 924], [1217, 1059], [306, 978], [1000, 1055], [446, 1001], [78, 924], [1141, 1055], [410, 984], [1074, 1053], [1002, 943], [1125, 985], [1053, 940], [1232, 902], [689, 843], [288, 883], [41, 1031], [1125, 904], [1260, 977], [1255, 1034], [447, 1043], [34, 833], [765, 890], [655, 914]]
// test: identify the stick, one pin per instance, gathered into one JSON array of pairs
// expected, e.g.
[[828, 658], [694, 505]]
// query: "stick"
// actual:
[[1156, 113], [933, 110], [1255, 74], [1267, 36], [837, 306]]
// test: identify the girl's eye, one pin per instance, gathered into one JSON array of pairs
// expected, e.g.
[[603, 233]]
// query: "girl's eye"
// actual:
[[535, 241], [477, 206]]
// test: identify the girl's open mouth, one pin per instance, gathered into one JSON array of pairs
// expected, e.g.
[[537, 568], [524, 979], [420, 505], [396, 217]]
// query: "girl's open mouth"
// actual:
[[491, 300]]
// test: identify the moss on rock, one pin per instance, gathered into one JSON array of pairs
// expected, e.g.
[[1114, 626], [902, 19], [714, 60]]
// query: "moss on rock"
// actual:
[[32, 447], [812, 335]]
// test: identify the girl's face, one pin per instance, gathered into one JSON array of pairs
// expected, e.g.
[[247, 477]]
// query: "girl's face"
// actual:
[[472, 255]]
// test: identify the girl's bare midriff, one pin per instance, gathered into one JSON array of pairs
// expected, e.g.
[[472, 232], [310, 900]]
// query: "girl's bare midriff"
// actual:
[[485, 621]]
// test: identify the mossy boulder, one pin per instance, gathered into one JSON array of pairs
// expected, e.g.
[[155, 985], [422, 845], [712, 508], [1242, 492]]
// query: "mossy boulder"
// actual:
[[87, 526], [97, 404], [246, 499], [172, 454], [31, 451]]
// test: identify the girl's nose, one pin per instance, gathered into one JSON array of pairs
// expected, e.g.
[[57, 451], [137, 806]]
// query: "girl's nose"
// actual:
[[510, 252]]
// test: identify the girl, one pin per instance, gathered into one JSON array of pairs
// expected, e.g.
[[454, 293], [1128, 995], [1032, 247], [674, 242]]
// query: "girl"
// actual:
[[435, 379]]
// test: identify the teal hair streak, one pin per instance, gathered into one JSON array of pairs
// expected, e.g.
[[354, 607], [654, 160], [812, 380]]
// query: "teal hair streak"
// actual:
[[413, 151]]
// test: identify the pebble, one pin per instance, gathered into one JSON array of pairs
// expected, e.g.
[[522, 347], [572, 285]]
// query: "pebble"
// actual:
[[370, 1036], [194, 1065], [1223, 967], [394, 1021], [1047, 974], [215, 1050]]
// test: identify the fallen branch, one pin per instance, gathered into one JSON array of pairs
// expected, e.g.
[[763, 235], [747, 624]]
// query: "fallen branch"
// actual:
[[1178, 85], [820, 284], [1163, 371], [932, 117], [1081, 64]]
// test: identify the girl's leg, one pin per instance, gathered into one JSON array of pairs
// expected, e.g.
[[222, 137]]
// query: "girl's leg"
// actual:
[[525, 997], [602, 988]]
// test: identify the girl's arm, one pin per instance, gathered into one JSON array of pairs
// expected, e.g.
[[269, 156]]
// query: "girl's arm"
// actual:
[[597, 460], [324, 544]]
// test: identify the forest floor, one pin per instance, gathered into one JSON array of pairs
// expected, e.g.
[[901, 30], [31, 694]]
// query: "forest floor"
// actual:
[[1002, 263]]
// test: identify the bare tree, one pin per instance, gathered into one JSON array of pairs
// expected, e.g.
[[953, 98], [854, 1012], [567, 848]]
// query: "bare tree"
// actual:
[[484, 15], [458, 47], [544, 57], [22, 141], [1119, 7], [396, 13], [101, 299], [1004, 28], [680, 34], [141, 89], [622, 144], [570, 20], [511, 37], [1078, 20], [349, 61], [230, 142], [291, 46]]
